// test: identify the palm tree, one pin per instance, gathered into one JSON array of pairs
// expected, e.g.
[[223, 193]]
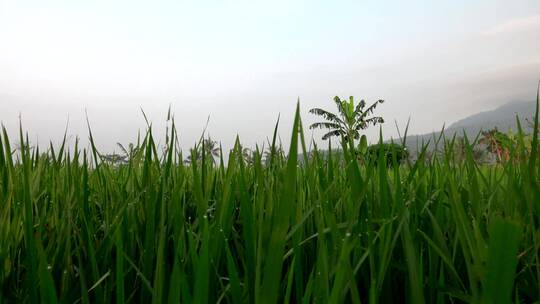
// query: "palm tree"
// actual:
[[247, 155], [211, 149], [350, 119]]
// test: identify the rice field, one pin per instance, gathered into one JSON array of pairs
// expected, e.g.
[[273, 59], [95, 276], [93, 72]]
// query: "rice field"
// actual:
[[278, 227]]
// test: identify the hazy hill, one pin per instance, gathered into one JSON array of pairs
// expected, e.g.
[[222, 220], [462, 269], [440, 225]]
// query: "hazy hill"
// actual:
[[503, 118]]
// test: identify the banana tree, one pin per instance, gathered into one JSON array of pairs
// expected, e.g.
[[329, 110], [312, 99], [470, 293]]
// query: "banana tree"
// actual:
[[349, 120]]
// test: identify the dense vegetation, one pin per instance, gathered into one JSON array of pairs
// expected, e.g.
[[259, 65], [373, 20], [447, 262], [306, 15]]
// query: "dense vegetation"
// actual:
[[77, 228]]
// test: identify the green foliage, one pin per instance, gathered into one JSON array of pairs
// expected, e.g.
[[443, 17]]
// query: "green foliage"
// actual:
[[497, 143], [76, 228], [389, 151], [351, 118], [505, 237]]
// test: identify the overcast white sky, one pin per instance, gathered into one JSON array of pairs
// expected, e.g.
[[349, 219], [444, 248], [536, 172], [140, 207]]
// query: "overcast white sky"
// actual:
[[244, 62]]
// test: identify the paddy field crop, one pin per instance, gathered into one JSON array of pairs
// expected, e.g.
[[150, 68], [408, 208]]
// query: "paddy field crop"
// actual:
[[294, 227]]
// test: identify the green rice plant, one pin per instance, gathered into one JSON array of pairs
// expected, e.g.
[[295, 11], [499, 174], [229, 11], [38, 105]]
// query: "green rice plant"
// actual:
[[307, 226]]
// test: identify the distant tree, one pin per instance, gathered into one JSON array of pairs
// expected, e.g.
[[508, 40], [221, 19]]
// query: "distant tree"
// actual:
[[478, 154], [349, 120], [278, 152], [211, 150], [26, 145], [460, 151], [389, 150], [128, 152], [497, 143], [247, 155], [114, 159], [188, 159]]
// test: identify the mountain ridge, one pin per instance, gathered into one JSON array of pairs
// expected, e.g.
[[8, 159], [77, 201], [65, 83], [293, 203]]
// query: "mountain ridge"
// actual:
[[503, 118]]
